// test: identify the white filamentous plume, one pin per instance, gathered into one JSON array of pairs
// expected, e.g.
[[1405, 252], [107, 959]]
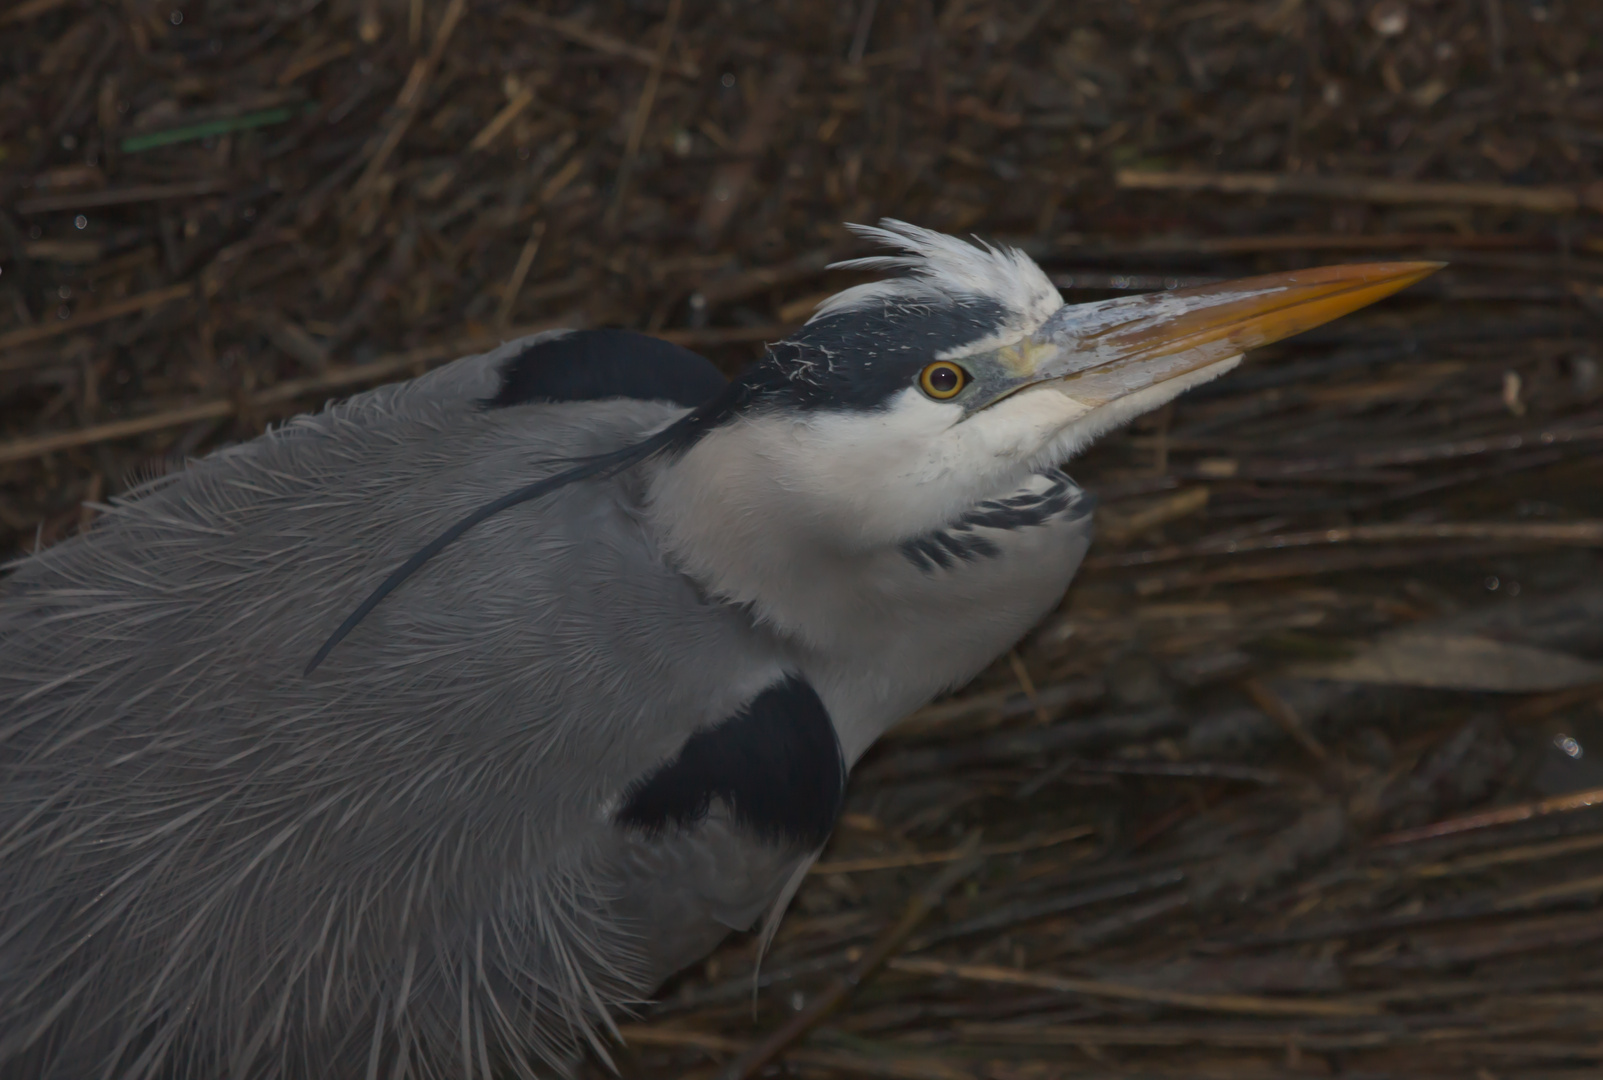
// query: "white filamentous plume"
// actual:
[[944, 269]]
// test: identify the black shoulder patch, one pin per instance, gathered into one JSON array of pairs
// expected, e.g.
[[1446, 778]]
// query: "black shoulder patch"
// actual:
[[589, 365], [776, 764]]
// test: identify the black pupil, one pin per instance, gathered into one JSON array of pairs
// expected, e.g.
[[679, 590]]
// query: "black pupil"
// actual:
[[943, 380]]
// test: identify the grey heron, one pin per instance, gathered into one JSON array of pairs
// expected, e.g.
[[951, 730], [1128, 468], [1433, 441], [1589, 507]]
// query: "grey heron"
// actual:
[[423, 734]]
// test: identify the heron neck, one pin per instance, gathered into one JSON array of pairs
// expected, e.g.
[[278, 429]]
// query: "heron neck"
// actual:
[[878, 632], [727, 522]]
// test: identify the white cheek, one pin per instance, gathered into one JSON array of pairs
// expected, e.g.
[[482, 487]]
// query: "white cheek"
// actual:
[[1016, 428], [913, 466], [874, 475]]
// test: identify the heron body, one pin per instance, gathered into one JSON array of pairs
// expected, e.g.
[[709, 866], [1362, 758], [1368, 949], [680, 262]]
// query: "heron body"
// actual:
[[562, 759]]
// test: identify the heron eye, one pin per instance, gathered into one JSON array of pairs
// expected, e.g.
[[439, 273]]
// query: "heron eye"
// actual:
[[942, 380]]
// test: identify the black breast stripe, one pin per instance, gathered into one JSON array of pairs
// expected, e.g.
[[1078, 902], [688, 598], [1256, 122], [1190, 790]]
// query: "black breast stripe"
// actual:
[[945, 548], [589, 365], [776, 764]]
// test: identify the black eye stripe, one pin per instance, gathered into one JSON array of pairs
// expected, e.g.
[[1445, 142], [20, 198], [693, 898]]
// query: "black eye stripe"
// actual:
[[894, 341]]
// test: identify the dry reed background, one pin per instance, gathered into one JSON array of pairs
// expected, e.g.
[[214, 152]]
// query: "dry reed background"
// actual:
[[1302, 780]]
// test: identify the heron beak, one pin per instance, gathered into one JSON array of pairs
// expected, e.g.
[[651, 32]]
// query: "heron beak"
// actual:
[[1099, 352]]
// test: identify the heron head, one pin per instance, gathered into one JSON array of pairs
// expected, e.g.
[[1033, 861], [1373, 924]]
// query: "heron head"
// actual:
[[903, 401]]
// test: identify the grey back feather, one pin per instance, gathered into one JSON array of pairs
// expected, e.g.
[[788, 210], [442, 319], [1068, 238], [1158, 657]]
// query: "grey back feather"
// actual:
[[403, 864]]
